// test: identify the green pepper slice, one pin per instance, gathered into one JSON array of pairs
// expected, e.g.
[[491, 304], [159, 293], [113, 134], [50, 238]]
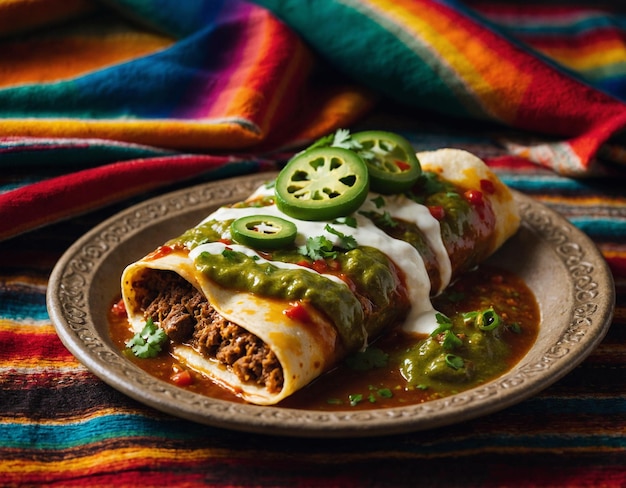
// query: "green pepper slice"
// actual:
[[391, 161], [322, 184], [263, 231]]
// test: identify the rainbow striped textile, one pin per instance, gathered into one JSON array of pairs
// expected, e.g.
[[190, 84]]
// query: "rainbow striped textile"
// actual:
[[97, 98], [106, 103], [61, 426]]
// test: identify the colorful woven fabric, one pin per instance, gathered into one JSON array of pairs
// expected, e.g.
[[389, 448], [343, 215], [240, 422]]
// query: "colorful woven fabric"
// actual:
[[136, 79], [103, 104], [61, 426]]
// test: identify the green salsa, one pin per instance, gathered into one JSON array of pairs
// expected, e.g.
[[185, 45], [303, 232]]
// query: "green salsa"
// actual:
[[369, 271], [462, 354], [401, 369], [239, 271]]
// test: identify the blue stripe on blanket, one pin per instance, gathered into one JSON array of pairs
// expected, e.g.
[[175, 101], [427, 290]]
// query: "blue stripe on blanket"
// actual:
[[22, 304]]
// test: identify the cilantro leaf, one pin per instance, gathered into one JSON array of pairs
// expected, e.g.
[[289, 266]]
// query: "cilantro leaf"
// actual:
[[341, 138], [367, 155], [148, 342], [379, 201], [325, 141], [349, 221], [318, 247], [444, 322], [381, 220], [450, 340], [228, 253], [385, 393], [355, 399], [345, 241], [455, 362], [388, 220]]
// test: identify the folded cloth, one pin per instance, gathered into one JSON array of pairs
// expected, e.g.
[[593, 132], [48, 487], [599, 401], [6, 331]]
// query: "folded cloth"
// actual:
[[94, 109]]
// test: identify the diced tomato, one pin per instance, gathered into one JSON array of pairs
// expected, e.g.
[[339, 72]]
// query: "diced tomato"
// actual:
[[304, 263], [298, 313], [119, 308], [487, 186], [437, 211], [228, 242], [160, 252], [182, 378], [402, 165], [475, 197], [320, 265]]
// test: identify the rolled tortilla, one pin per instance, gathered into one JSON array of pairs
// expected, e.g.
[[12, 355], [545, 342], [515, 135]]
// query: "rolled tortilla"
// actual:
[[264, 324]]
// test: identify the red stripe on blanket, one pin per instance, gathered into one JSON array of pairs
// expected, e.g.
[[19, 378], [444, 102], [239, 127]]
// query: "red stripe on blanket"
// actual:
[[65, 196], [18, 347], [552, 100]]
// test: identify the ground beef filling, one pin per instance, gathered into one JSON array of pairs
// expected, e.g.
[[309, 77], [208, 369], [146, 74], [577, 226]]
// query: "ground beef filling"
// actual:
[[188, 318]]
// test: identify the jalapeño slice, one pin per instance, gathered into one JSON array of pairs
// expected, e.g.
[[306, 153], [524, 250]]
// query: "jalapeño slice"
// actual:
[[322, 184], [263, 231], [390, 159]]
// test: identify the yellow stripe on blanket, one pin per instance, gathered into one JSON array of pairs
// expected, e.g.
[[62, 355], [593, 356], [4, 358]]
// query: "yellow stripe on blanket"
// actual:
[[97, 42]]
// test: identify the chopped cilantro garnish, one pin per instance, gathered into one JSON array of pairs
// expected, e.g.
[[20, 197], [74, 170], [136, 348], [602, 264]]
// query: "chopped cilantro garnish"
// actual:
[[450, 340], [345, 241], [355, 399], [385, 393], [379, 201], [318, 247], [388, 220], [349, 221], [148, 342], [229, 253], [455, 362], [341, 138], [384, 219], [444, 322]]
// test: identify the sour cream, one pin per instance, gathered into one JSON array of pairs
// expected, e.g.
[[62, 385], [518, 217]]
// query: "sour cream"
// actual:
[[421, 318]]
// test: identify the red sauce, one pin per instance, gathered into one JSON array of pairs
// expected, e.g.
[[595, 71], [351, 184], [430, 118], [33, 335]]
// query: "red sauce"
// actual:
[[383, 387]]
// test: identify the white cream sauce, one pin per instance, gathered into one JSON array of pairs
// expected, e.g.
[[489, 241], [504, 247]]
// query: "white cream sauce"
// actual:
[[421, 318]]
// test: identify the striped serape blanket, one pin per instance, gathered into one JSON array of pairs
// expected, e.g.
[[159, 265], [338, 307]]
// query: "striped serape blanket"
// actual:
[[106, 103], [101, 101]]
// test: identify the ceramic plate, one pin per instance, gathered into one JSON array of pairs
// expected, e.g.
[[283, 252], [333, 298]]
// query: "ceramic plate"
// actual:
[[561, 265]]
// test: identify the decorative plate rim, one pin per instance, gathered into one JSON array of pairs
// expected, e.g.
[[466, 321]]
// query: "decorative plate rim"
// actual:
[[72, 293]]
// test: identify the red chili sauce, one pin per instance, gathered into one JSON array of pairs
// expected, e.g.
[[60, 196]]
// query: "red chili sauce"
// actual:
[[391, 372]]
